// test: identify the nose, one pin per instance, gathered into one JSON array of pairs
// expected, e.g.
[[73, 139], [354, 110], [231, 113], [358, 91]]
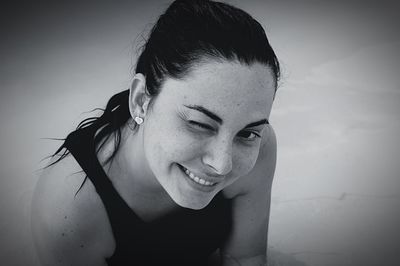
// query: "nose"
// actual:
[[218, 156]]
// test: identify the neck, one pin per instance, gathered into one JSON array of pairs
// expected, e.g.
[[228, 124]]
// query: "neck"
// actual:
[[132, 177]]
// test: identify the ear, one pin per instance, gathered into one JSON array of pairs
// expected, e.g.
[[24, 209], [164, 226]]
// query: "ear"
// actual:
[[138, 99]]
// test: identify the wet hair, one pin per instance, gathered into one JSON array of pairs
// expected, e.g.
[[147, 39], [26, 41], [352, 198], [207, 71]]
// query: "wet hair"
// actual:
[[187, 34]]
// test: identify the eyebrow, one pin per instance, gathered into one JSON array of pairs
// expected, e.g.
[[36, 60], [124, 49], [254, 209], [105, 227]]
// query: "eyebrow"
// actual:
[[261, 122], [206, 112], [219, 119]]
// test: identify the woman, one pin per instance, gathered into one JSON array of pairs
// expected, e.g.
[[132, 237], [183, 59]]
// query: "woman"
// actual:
[[178, 169]]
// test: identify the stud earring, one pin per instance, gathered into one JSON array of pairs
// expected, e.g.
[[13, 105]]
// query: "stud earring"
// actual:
[[138, 120]]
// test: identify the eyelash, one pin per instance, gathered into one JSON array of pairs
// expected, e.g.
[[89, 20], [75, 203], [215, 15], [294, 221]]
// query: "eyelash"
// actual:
[[207, 127], [252, 139], [201, 125]]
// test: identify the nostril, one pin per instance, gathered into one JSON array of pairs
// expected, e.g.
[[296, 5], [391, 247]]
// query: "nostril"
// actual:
[[220, 166], [218, 157]]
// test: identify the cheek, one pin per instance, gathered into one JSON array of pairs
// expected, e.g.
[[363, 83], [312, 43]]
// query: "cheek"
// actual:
[[245, 161], [168, 143]]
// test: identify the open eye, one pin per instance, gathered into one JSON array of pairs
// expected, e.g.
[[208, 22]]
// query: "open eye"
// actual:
[[249, 135]]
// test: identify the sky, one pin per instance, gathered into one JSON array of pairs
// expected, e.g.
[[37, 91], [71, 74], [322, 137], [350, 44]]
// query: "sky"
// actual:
[[336, 114]]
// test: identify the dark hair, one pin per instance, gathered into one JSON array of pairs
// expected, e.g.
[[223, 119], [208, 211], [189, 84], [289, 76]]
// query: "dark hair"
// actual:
[[187, 34]]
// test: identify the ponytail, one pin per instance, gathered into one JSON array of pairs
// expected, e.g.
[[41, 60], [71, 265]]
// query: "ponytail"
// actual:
[[114, 116], [185, 34]]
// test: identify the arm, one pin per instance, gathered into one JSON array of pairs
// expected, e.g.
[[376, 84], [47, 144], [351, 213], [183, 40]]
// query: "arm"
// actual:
[[247, 244]]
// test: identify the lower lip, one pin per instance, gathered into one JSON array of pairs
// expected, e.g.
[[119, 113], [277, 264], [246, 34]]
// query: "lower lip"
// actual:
[[196, 185]]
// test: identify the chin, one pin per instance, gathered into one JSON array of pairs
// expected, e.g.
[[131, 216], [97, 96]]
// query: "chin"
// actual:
[[194, 204], [186, 193]]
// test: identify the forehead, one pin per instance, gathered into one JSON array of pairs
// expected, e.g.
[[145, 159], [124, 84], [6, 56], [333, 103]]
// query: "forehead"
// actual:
[[227, 88]]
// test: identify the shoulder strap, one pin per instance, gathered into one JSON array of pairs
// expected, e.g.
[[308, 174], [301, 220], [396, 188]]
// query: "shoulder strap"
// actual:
[[81, 145]]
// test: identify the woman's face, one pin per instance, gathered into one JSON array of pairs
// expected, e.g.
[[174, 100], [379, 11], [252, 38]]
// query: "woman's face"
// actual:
[[204, 132]]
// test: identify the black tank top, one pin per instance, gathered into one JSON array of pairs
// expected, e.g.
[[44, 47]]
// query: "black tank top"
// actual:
[[184, 237]]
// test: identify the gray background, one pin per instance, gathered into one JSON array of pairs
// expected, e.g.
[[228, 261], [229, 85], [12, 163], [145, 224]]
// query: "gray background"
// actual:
[[335, 197]]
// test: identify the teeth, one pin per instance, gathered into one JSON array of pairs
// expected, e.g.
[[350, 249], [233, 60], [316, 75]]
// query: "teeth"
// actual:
[[197, 179]]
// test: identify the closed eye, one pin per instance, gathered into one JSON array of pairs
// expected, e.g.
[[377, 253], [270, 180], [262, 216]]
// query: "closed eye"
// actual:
[[200, 125]]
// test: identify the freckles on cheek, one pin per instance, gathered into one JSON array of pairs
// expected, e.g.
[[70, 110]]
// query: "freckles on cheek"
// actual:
[[181, 141], [167, 150], [248, 161], [157, 151]]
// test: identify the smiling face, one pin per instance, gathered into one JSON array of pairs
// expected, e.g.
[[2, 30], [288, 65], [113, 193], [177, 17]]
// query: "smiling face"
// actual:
[[202, 133]]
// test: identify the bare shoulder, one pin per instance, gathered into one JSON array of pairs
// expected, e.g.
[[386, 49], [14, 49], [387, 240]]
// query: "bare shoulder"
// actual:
[[68, 227], [261, 176]]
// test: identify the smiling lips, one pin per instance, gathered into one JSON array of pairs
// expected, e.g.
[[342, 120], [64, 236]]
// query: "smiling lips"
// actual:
[[198, 179]]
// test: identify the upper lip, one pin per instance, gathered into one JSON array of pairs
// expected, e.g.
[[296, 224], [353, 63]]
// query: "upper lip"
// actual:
[[209, 178]]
